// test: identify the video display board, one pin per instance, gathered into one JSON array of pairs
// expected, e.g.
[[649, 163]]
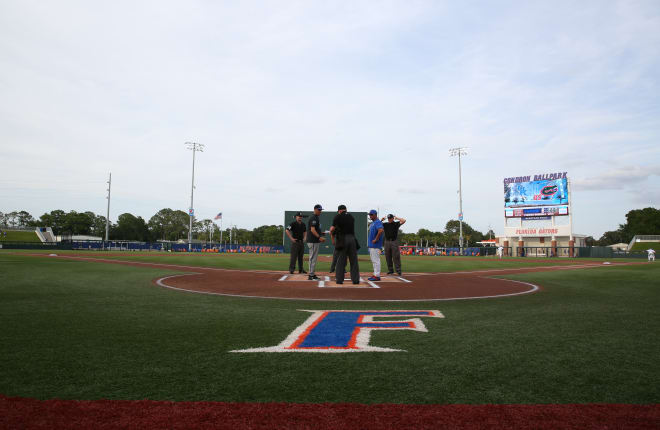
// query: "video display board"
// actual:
[[552, 192]]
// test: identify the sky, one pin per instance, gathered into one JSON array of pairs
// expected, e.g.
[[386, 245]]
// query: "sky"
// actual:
[[305, 102]]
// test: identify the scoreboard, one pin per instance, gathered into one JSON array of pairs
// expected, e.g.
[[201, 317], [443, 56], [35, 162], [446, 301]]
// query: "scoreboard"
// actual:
[[537, 206]]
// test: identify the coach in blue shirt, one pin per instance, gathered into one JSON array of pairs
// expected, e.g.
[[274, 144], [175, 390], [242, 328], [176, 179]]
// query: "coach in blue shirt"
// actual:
[[375, 243]]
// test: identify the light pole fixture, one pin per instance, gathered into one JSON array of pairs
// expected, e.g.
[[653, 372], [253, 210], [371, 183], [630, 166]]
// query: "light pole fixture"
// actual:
[[107, 214], [194, 147], [452, 153]]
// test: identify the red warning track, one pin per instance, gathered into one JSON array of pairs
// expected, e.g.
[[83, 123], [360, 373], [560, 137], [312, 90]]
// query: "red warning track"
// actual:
[[410, 287], [21, 413]]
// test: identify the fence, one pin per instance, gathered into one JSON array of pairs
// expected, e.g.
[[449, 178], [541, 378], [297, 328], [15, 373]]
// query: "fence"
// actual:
[[99, 245], [527, 251], [532, 252], [230, 249], [35, 245]]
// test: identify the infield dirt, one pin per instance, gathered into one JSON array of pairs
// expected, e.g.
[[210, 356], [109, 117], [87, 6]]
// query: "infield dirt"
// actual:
[[413, 287]]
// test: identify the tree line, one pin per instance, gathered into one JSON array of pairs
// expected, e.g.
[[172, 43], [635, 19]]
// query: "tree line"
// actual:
[[447, 238], [638, 221], [166, 224], [170, 224]]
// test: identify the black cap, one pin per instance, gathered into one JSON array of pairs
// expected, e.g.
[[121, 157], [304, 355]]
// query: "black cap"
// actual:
[[390, 216], [341, 207], [319, 207], [298, 214]]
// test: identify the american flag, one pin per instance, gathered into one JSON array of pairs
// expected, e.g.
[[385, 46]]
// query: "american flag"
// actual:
[[218, 216]]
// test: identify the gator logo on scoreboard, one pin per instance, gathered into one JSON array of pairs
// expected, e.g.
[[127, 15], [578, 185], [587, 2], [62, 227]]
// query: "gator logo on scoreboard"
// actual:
[[549, 191], [347, 331]]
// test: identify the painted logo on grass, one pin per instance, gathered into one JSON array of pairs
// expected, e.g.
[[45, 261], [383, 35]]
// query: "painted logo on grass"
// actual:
[[346, 331]]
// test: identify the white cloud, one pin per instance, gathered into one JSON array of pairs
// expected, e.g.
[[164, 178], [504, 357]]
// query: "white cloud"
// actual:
[[616, 179], [359, 102]]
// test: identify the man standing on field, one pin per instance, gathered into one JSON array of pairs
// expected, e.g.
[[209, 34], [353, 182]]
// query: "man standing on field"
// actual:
[[392, 253], [297, 233], [651, 252], [343, 229], [314, 238], [375, 243]]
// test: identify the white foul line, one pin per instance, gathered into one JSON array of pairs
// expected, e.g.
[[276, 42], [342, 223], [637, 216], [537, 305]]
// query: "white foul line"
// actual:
[[283, 277], [164, 285]]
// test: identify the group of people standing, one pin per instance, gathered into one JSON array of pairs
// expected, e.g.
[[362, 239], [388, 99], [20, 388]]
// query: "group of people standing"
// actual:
[[342, 234], [384, 234]]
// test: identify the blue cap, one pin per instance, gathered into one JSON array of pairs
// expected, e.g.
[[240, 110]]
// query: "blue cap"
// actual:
[[319, 207], [373, 212]]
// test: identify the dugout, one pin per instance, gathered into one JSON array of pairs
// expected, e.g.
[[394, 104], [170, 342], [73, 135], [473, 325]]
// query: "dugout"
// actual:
[[326, 221]]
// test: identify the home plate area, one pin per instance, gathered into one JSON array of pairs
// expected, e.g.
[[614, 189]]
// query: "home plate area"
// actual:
[[327, 281]]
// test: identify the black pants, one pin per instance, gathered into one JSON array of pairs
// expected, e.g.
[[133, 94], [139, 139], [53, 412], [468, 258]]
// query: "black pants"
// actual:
[[348, 252], [392, 255], [297, 251], [335, 256]]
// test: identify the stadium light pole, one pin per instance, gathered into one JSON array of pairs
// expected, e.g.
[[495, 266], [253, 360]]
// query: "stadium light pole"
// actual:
[[452, 153], [194, 147], [107, 215]]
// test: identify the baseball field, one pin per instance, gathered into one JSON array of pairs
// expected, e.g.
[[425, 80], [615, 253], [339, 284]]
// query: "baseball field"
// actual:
[[150, 341]]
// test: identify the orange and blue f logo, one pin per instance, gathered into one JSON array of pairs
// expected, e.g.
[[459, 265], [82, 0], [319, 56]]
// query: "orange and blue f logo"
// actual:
[[347, 331]]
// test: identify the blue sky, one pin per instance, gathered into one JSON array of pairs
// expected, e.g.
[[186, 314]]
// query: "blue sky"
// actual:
[[314, 102]]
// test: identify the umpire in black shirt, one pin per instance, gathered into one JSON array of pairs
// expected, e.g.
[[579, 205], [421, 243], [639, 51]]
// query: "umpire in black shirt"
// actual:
[[392, 254], [343, 226], [297, 232]]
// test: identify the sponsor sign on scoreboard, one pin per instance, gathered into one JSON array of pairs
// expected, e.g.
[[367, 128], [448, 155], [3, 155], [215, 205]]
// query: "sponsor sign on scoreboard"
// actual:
[[563, 230], [522, 191], [536, 212]]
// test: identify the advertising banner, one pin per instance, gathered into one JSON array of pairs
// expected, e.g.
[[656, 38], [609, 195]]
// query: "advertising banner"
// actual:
[[536, 193], [536, 212], [537, 231]]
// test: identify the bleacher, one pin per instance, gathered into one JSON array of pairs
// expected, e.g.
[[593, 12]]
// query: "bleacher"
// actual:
[[45, 234]]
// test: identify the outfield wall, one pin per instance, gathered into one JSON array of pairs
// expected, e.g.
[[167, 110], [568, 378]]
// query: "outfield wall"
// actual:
[[326, 221]]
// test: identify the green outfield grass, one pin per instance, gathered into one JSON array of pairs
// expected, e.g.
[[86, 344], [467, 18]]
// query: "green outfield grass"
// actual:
[[281, 261], [19, 236], [84, 330]]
